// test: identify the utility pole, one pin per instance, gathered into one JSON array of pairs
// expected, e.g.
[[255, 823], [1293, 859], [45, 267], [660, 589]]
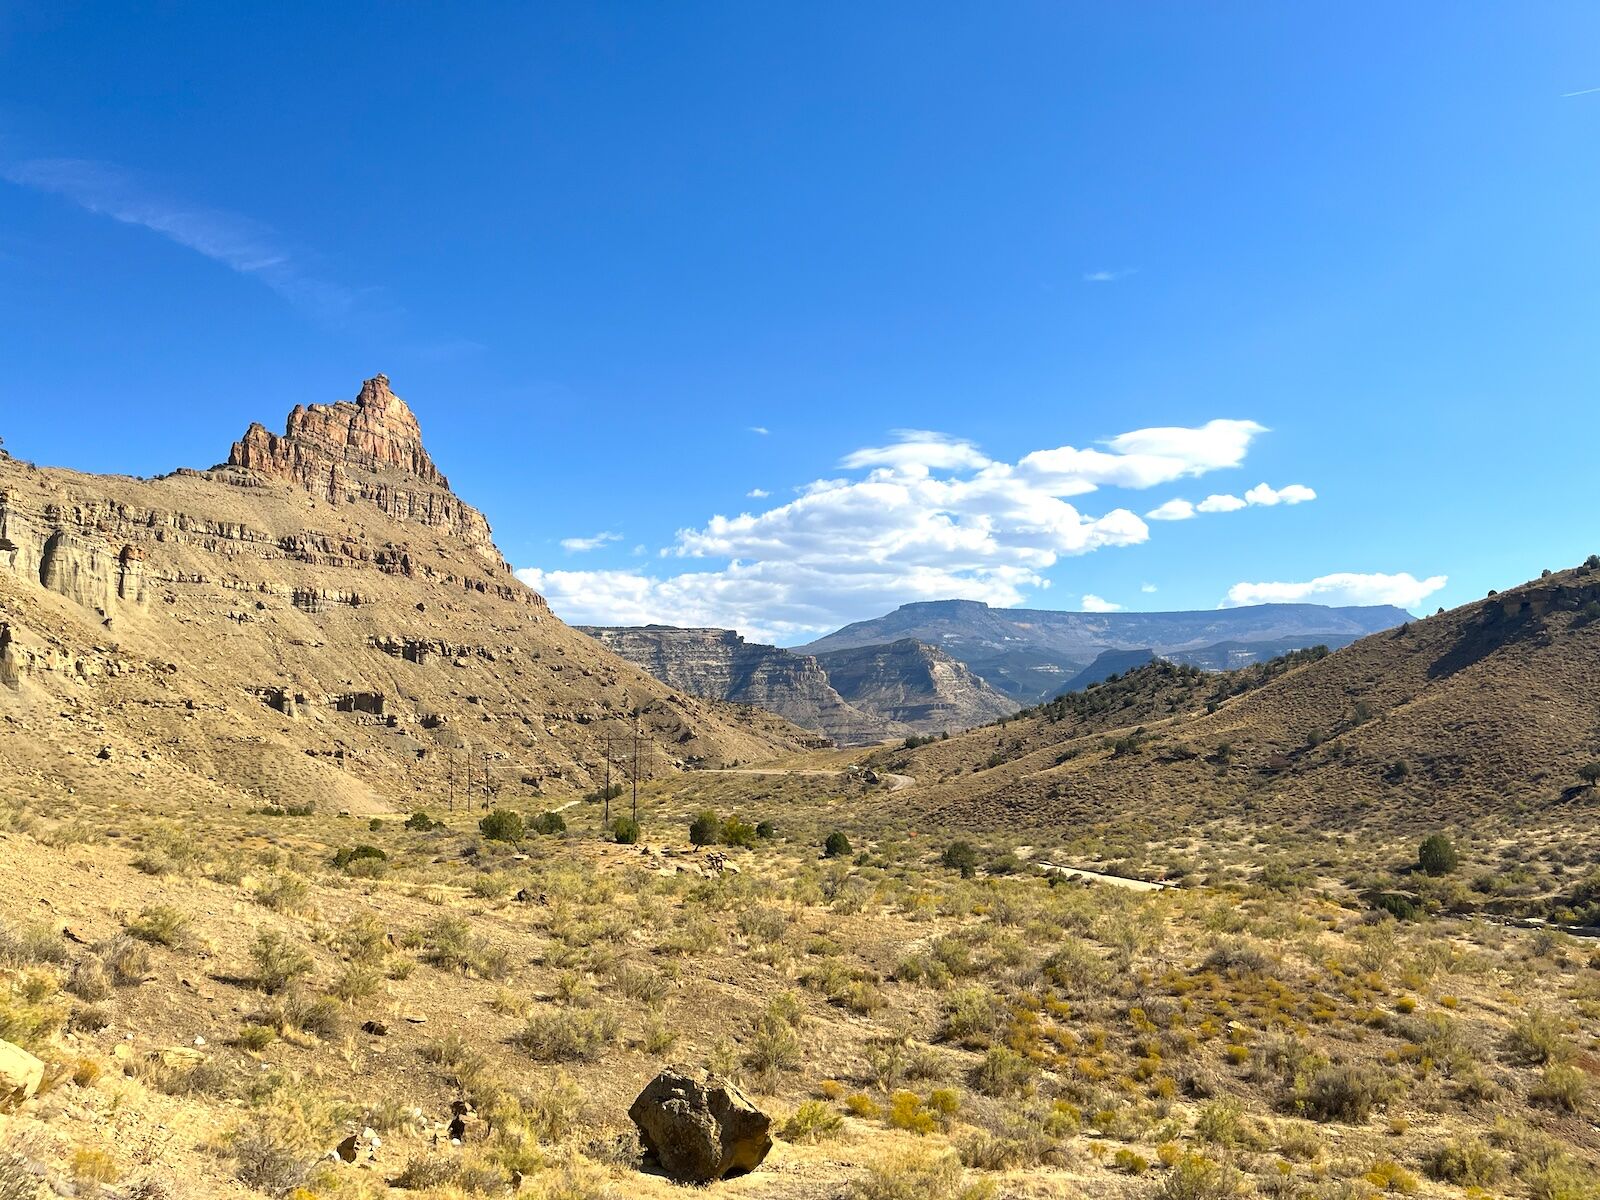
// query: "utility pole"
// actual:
[[607, 793], [451, 758], [636, 767]]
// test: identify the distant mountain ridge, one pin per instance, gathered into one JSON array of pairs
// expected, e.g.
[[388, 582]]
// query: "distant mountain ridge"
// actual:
[[1032, 654], [854, 696], [718, 664]]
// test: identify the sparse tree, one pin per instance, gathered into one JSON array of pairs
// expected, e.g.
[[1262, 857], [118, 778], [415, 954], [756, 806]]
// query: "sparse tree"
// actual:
[[1590, 773], [836, 845], [1437, 855], [960, 856], [703, 829]]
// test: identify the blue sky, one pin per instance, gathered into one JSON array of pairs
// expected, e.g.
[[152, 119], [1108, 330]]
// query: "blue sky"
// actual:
[[632, 263]]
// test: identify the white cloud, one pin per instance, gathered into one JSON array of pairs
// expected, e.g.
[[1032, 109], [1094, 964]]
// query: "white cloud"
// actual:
[[1094, 604], [1402, 590], [1172, 510], [761, 429], [1260, 495], [1143, 458], [237, 242], [1295, 493], [919, 451], [582, 545], [1147, 588], [758, 493], [1108, 276], [927, 516]]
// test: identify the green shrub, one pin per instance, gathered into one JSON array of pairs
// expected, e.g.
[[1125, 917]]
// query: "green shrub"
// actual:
[[1466, 1163], [736, 832], [813, 1121], [1535, 1038], [625, 831], [503, 825], [567, 1035], [1437, 855], [1341, 1093], [549, 824], [1003, 1072], [1561, 1087], [161, 924], [766, 830], [918, 1175], [703, 829], [836, 845], [421, 822], [278, 960], [960, 856], [344, 859]]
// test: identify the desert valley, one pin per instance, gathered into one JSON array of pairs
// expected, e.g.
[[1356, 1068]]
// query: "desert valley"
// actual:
[[338, 865]]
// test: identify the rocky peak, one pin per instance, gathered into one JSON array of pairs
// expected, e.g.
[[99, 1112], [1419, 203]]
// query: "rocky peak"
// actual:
[[375, 432], [364, 450]]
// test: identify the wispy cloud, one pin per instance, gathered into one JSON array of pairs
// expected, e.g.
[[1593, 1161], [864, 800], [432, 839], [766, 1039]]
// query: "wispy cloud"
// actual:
[[1109, 276], [1580, 92], [582, 545], [758, 493], [761, 429], [237, 242]]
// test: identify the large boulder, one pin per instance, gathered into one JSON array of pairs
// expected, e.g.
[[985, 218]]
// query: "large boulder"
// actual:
[[699, 1128], [20, 1073]]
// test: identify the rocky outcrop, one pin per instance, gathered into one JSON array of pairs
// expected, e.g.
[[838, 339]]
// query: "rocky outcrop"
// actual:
[[699, 1128], [914, 685], [20, 1073], [719, 664], [364, 451]]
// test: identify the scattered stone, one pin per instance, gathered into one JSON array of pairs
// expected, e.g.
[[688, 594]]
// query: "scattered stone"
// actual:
[[375, 1028], [417, 1018], [20, 1073], [699, 1128], [181, 1057]]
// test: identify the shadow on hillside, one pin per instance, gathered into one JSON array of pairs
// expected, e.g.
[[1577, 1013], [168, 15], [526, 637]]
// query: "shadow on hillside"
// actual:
[[1478, 641]]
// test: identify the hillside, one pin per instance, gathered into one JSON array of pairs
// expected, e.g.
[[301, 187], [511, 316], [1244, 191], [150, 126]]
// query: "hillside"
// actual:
[[914, 685], [719, 664], [320, 620], [1030, 654], [1486, 710]]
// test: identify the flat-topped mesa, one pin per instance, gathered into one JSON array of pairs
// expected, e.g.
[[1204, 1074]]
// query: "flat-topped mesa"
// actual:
[[369, 449]]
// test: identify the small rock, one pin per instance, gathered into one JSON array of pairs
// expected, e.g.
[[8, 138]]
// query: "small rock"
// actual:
[[417, 1018], [375, 1028]]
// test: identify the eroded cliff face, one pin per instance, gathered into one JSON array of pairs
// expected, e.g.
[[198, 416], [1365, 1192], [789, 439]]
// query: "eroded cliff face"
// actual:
[[720, 665], [367, 451], [916, 685], [320, 622]]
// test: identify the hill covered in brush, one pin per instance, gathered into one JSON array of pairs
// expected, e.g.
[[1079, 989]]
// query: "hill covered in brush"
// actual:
[[1493, 707]]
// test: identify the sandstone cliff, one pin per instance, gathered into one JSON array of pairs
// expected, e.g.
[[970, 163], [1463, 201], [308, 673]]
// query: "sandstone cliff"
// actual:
[[366, 451], [915, 685], [321, 621], [719, 664]]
